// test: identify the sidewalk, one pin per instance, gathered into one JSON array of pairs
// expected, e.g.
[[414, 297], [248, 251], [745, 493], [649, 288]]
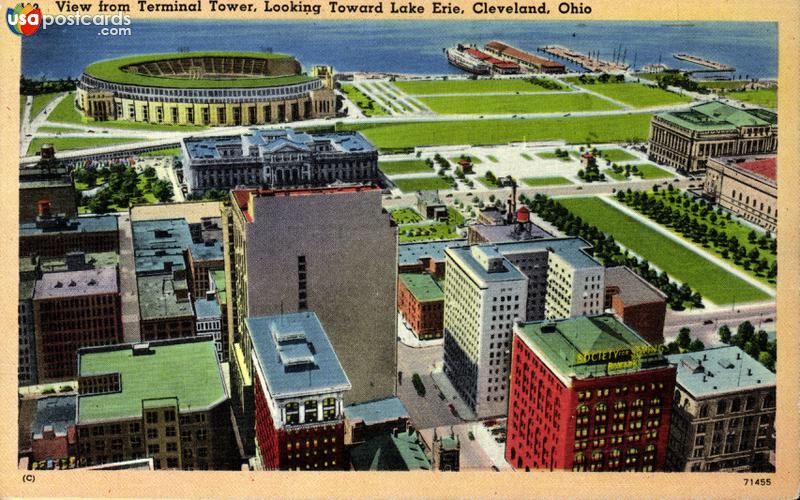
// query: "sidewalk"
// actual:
[[408, 338], [443, 384]]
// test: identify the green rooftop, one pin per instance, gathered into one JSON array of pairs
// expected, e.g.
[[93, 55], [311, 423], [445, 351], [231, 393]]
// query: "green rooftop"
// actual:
[[590, 346], [422, 286], [112, 70], [219, 285], [399, 451], [719, 116], [186, 370]]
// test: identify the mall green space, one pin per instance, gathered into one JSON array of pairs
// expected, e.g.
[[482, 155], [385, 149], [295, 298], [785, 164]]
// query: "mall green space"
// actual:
[[433, 231], [636, 94], [404, 167], [512, 103], [414, 184], [472, 159], [162, 152], [767, 98], [65, 143], [550, 155], [40, 101], [709, 279], [470, 86], [573, 130], [405, 215], [546, 181], [614, 155], [638, 170]]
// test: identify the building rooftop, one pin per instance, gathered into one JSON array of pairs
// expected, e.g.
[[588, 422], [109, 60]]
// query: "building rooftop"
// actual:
[[257, 142], [218, 277], [465, 257], [295, 355], [762, 165], [207, 251], [160, 241], [714, 115], [74, 283], [57, 412], [422, 286], [90, 224], [59, 264], [206, 309], [502, 233], [162, 296], [185, 369], [633, 289], [26, 289], [45, 183], [396, 451], [193, 211], [242, 196], [411, 253], [376, 412], [720, 370], [589, 346], [525, 56], [572, 249]]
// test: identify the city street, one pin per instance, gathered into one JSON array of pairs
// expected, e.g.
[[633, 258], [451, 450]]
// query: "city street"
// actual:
[[431, 410]]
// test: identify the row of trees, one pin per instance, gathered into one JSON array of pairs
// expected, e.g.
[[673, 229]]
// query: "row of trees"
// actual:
[[28, 86], [684, 343], [123, 187], [603, 78], [608, 251], [756, 344], [681, 80], [545, 83]]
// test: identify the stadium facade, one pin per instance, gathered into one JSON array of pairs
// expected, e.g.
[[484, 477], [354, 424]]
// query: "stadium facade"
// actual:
[[205, 88]]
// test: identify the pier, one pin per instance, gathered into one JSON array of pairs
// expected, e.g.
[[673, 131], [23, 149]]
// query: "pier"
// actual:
[[582, 60], [701, 61]]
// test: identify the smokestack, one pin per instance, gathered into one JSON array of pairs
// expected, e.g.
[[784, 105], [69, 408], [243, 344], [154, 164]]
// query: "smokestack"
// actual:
[[43, 208]]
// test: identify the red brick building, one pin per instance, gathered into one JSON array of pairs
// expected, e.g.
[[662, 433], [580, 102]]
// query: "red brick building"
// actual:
[[420, 300], [641, 306], [53, 235], [299, 387], [71, 310], [587, 394]]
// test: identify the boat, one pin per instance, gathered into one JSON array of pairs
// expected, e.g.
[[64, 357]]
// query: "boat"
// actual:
[[460, 57]]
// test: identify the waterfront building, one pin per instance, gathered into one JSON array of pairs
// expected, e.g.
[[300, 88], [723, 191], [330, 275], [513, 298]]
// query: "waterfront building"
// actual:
[[299, 393], [587, 394], [687, 139], [638, 304], [161, 400], [745, 185], [277, 158], [723, 415], [526, 60]]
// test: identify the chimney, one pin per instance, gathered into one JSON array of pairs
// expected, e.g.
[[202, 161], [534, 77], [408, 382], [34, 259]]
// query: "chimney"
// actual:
[[738, 355], [167, 266], [43, 208], [705, 357], [749, 372]]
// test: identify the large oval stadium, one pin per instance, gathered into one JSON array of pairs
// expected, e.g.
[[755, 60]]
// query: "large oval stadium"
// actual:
[[205, 88]]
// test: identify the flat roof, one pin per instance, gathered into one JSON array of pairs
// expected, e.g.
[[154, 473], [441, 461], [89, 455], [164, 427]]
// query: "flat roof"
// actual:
[[219, 285], [571, 249], [502, 233], [411, 253], [295, 355], [765, 166], [158, 300], [715, 115], [187, 370], [83, 224], [57, 264], [463, 256], [207, 251], [112, 70], [156, 241], [720, 370], [400, 451], [242, 196], [564, 342], [206, 309], [375, 412], [26, 289], [55, 411], [76, 283], [193, 211], [45, 183], [422, 286], [633, 289]]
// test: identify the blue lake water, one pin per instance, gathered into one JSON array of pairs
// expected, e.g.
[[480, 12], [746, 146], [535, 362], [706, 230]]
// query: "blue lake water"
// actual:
[[407, 46]]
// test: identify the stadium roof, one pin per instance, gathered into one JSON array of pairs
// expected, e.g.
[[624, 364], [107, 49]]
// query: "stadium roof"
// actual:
[[187, 370], [718, 371], [111, 70]]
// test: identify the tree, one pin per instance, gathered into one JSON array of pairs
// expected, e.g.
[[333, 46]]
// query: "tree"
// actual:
[[724, 334], [672, 348], [162, 190], [684, 338], [767, 359], [744, 333], [696, 345], [150, 172], [752, 236]]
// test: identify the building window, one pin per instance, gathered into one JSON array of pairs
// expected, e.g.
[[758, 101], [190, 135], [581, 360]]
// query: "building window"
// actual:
[[169, 416], [151, 417], [310, 408], [153, 449], [328, 408], [292, 413], [152, 433]]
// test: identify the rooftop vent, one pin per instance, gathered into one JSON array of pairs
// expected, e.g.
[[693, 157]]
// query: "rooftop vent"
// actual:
[[141, 349], [549, 328]]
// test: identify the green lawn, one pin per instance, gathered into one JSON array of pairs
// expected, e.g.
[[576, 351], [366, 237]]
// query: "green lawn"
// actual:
[[22, 100], [712, 281], [614, 175], [637, 95], [468, 86], [573, 130], [64, 143], [367, 105], [650, 171], [403, 167], [545, 103], [437, 231], [405, 215], [414, 184], [66, 111], [49, 128], [487, 183], [474, 159], [549, 155], [163, 152], [526, 156], [492, 158], [767, 98], [724, 84], [615, 155], [40, 101], [546, 181]]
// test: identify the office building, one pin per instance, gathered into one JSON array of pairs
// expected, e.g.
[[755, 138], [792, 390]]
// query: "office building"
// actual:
[[587, 394], [639, 304], [363, 421], [56, 235], [745, 185], [203, 258], [420, 302], [161, 400], [299, 388], [723, 415], [57, 188], [209, 321], [687, 139], [426, 257], [218, 288], [53, 435], [26, 369]]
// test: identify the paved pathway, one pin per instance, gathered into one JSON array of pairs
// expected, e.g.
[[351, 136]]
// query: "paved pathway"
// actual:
[[127, 281]]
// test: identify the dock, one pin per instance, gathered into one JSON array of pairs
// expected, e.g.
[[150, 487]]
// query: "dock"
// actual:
[[582, 60], [701, 61]]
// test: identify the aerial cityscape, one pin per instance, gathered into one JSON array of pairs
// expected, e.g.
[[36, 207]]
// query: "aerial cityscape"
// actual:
[[508, 251]]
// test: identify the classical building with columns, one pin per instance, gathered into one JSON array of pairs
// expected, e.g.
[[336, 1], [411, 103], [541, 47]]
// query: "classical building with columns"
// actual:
[[745, 185], [277, 158], [687, 139]]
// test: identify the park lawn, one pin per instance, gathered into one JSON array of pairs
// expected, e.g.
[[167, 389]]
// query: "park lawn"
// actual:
[[64, 143], [712, 281], [162, 152], [545, 103], [415, 184], [403, 167], [405, 215], [437, 231], [22, 100], [468, 86], [48, 128], [550, 155], [637, 95], [526, 156], [767, 98], [362, 101], [473, 159], [614, 175], [487, 183], [724, 84], [492, 158], [650, 171], [573, 130], [546, 181], [40, 101], [66, 111], [615, 155]]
